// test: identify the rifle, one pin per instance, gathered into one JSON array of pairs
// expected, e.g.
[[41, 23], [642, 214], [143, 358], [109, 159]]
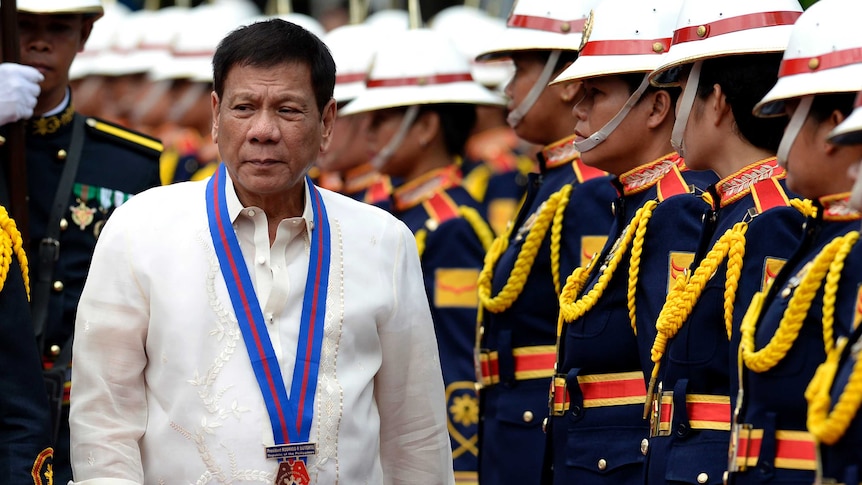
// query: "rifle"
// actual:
[[16, 169]]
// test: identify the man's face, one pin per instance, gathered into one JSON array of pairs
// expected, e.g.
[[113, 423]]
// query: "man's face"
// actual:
[[50, 42], [268, 127]]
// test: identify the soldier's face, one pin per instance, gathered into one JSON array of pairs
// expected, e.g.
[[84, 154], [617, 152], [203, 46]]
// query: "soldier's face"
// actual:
[[545, 112], [348, 147], [49, 43], [268, 128], [815, 167]]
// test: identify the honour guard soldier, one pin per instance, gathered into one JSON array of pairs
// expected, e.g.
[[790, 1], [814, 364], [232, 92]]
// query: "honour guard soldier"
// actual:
[[792, 326], [79, 170], [834, 394], [420, 97], [726, 55], [624, 127], [353, 48], [565, 214], [25, 438]]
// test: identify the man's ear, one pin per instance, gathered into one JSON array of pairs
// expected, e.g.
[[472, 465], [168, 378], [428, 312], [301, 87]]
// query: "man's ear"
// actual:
[[327, 121], [662, 108], [571, 91], [87, 22], [215, 106]]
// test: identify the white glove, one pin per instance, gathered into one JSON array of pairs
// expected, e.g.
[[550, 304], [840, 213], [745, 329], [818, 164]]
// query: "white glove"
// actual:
[[19, 88]]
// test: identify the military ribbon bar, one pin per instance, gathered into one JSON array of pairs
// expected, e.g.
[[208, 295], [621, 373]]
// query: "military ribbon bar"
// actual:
[[290, 416]]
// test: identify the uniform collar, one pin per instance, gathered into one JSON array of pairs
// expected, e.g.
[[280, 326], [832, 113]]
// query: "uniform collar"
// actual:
[[647, 175], [836, 208], [48, 125], [561, 152], [738, 185], [421, 189], [360, 178]]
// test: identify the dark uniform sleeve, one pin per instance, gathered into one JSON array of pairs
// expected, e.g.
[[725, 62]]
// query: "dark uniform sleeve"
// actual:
[[25, 452]]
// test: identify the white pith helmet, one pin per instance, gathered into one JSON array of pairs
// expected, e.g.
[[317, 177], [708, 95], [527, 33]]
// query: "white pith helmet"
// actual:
[[849, 132], [195, 45], [824, 55], [541, 25], [44, 7], [100, 41], [416, 67], [624, 37], [352, 48], [389, 20], [706, 30], [473, 31]]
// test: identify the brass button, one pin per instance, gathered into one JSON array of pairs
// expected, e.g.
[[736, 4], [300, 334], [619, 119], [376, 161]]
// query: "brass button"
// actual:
[[58, 286], [422, 81], [64, 224], [55, 350], [602, 464], [701, 31], [528, 416], [644, 446], [481, 330], [814, 63], [658, 47], [545, 425], [2, 141], [702, 477], [785, 292], [565, 27], [61, 155], [725, 477]]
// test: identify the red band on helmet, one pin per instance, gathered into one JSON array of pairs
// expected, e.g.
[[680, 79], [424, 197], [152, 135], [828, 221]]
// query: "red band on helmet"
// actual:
[[547, 24], [625, 47], [734, 24], [355, 77], [831, 60], [420, 80]]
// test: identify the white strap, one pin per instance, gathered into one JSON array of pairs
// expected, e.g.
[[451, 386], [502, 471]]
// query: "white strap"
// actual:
[[793, 129], [383, 155], [604, 132], [686, 102]]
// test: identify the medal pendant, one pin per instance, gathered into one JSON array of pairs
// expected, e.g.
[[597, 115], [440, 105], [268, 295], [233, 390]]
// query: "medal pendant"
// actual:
[[292, 472], [82, 215]]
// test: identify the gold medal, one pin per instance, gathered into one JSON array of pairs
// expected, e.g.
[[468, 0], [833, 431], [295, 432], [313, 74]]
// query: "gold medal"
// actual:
[[82, 215], [292, 472]]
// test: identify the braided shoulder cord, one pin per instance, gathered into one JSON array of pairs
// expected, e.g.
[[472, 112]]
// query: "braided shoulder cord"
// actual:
[[828, 426], [634, 270], [556, 234], [11, 242], [791, 322], [421, 235], [572, 310], [804, 206], [830, 289], [523, 264], [480, 227]]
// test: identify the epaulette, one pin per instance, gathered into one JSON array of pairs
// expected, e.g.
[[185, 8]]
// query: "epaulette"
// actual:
[[125, 136], [476, 182], [379, 191], [440, 208], [768, 194]]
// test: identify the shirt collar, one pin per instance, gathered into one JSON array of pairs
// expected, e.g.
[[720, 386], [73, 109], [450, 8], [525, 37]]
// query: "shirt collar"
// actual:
[[235, 207]]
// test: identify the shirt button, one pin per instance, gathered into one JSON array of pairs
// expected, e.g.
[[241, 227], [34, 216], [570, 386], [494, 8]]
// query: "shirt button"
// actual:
[[702, 477], [528, 416], [61, 155], [269, 317], [261, 260], [58, 286], [64, 224], [602, 464], [55, 350], [644, 446], [251, 212]]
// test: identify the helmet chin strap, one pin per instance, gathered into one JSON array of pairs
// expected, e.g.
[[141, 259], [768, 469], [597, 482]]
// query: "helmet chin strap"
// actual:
[[383, 155], [517, 114], [686, 102], [793, 129], [604, 132]]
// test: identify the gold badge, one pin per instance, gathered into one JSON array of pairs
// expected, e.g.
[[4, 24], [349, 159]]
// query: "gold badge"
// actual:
[[771, 267], [456, 288], [591, 247], [82, 214], [678, 264], [588, 29]]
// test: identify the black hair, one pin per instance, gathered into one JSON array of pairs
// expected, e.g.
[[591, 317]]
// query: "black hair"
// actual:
[[634, 80], [456, 122], [744, 80], [271, 43], [825, 104]]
